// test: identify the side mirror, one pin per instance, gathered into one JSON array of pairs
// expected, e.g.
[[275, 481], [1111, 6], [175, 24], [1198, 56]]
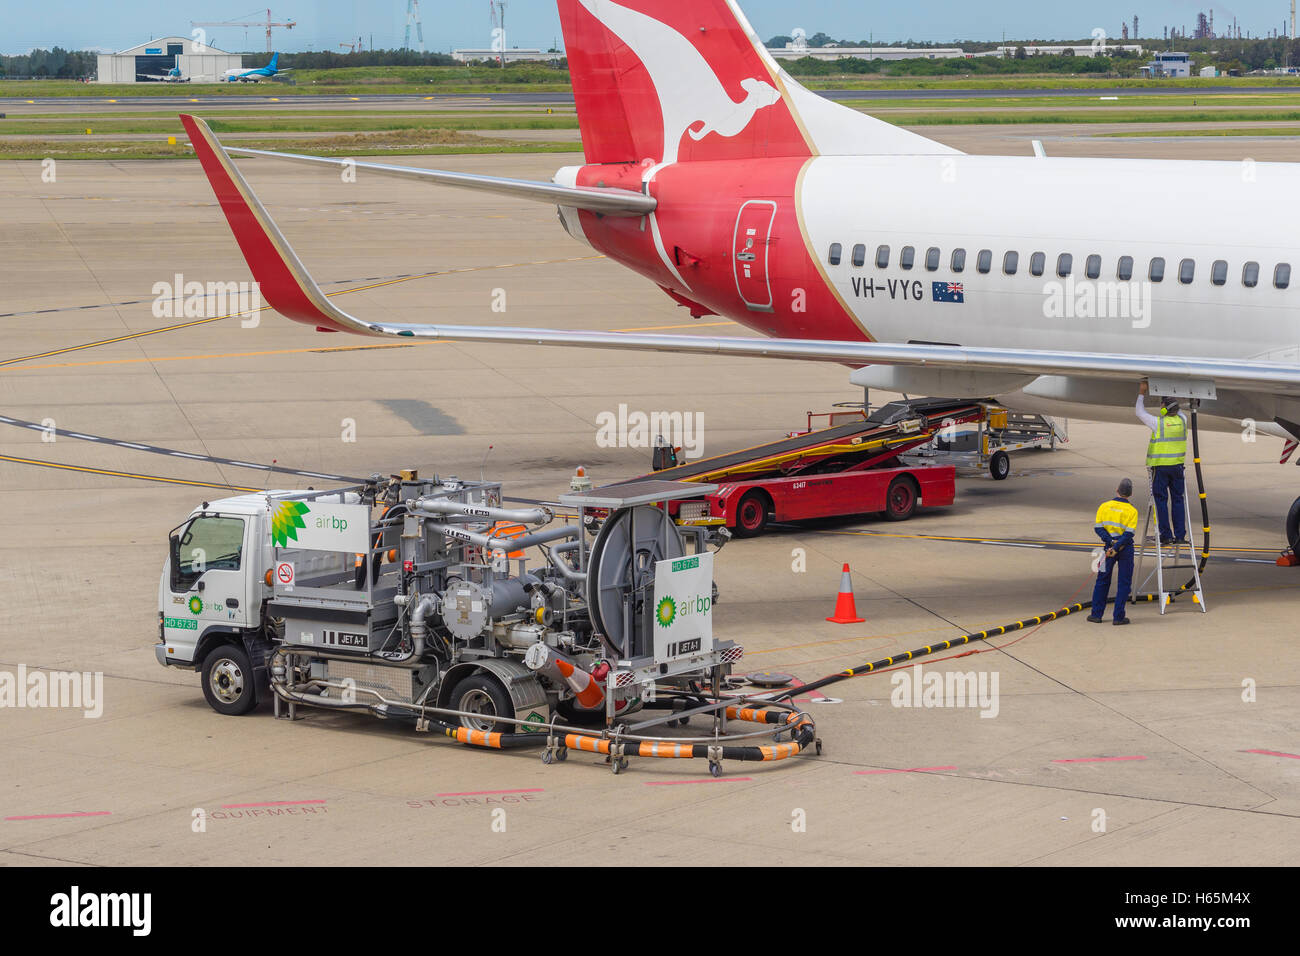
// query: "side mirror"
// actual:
[[174, 563]]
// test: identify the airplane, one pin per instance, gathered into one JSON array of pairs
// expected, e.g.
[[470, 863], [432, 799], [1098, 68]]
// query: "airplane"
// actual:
[[171, 76], [1051, 284], [255, 76]]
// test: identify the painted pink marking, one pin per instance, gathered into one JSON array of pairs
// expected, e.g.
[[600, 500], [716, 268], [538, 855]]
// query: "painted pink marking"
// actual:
[[804, 700], [269, 803], [861, 773], [673, 783], [1274, 753], [1097, 759], [63, 816], [488, 793]]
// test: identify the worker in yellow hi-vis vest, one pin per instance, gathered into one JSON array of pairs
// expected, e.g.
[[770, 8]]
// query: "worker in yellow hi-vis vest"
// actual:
[[1166, 453], [1116, 524]]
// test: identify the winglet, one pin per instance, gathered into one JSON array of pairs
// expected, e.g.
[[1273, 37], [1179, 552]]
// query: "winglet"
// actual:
[[283, 280]]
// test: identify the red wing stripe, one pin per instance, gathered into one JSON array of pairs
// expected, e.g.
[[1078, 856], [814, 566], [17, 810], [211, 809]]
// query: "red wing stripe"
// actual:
[[281, 277]]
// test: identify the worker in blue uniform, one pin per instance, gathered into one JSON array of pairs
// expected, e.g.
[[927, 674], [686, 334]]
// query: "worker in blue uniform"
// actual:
[[1116, 524]]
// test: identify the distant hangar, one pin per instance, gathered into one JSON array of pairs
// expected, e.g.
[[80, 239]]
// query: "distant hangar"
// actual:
[[155, 59]]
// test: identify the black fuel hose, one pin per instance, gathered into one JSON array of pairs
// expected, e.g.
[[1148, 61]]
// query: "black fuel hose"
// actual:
[[906, 656]]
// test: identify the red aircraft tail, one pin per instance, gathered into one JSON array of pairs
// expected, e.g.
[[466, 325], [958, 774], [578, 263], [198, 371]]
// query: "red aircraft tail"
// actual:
[[680, 80]]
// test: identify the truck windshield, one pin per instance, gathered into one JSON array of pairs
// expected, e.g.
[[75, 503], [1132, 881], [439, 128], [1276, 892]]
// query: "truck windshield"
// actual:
[[211, 543]]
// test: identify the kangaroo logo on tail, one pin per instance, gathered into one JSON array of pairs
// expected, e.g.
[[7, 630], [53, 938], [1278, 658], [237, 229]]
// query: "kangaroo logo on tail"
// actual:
[[760, 94], [691, 97]]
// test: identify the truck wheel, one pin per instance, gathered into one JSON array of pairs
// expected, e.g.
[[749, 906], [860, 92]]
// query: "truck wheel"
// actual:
[[228, 681], [485, 697], [900, 499], [1000, 465], [751, 514], [1293, 525]]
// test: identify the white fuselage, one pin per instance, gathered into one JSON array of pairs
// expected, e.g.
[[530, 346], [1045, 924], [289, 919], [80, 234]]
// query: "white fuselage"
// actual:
[[1206, 212]]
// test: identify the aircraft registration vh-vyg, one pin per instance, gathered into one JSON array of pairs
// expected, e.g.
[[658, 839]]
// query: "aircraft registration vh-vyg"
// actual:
[[1052, 284]]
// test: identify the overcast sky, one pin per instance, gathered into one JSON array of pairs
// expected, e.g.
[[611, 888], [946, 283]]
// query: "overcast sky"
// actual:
[[448, 24]]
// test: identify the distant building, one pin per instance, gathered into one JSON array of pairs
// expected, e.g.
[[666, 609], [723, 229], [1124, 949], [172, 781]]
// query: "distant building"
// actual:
[[513, 55], [1209, 71], [1169, 64], [1085, 49], [155, 59], [796, 50]]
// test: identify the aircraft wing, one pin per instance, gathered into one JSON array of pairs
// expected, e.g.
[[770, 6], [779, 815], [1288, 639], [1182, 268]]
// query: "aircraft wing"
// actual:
[[290, 290], [608, 202]]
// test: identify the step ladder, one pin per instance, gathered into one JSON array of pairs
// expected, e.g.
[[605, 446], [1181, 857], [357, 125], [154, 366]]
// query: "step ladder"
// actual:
[[1179, 556]]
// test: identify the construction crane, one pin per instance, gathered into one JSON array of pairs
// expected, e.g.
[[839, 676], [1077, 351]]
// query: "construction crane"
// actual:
[[268, 23], [413, 17]]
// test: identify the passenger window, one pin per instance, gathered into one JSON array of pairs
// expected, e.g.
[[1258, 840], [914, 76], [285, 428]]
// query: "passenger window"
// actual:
[[1125, 269], [931, 259], [882, 256], [859, 254], [1186, 271], [1282, 275], [1093, 267], [1157, 271], [958, 260], [984, 261], [1037, 263], [906, 257], [1250, 275], [1219, 272], [1010, 263], [1064, 263], [834, 257]]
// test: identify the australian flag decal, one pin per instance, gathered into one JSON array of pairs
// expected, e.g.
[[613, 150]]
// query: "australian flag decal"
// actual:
[[948, 291]]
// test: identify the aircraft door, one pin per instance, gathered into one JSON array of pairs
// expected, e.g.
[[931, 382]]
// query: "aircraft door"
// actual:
[[750, 253]]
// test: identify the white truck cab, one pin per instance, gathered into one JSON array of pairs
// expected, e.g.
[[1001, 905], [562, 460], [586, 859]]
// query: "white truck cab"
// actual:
[[213, 593], [213, 588]]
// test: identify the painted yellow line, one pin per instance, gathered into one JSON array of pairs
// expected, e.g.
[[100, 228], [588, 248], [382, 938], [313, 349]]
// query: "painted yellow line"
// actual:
[[124, 474], [221, 355], [186, 325], [990, 540], [842, 640], [257, 354], [661, 328]]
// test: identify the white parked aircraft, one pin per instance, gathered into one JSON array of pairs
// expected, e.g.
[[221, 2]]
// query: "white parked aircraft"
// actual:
[[256, 75]]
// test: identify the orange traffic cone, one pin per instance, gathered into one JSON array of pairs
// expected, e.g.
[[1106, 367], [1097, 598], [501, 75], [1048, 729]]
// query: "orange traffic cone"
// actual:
[[846, 612]]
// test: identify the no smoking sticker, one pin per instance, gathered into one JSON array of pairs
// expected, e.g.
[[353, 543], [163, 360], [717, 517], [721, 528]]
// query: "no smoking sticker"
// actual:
[[284, 574]]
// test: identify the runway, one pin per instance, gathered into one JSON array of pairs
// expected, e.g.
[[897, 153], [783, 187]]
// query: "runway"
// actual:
[[196, 94], [1179, 733]]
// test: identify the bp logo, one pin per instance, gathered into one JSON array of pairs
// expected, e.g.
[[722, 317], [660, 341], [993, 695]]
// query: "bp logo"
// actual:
[[666, 612], [286, 521], [196, 605]]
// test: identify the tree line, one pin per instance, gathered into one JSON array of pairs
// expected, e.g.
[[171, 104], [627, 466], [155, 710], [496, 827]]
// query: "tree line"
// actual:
[[69, 64]]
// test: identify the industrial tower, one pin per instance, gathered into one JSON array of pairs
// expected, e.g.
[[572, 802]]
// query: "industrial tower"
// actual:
[[413, 17]]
